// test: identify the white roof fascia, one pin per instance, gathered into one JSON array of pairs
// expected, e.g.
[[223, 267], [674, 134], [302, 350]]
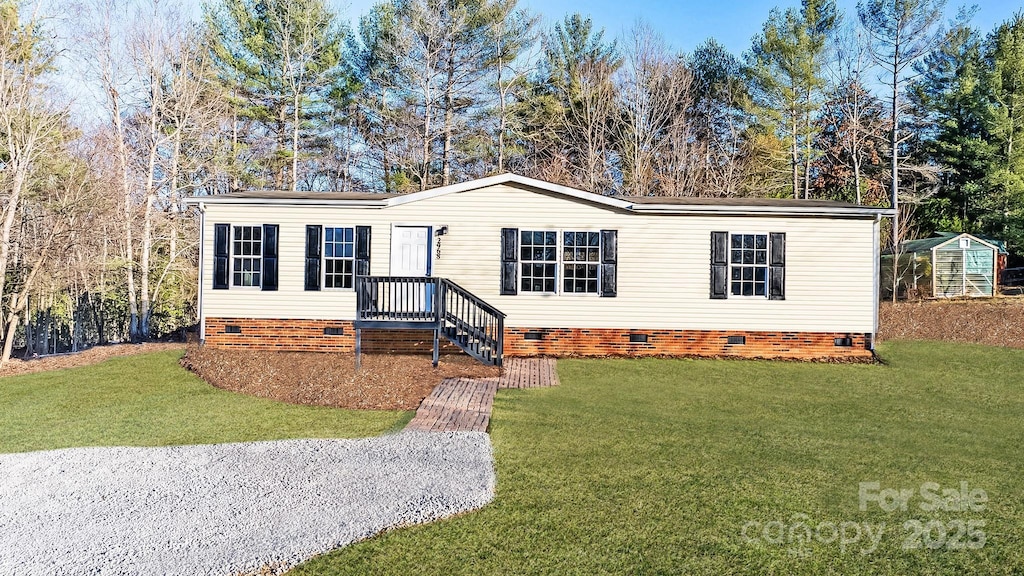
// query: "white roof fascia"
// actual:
[[287, 202], [760, 210], [509, 178]]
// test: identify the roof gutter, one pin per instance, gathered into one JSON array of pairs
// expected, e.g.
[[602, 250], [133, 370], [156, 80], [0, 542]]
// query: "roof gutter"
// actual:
[[287, 202]]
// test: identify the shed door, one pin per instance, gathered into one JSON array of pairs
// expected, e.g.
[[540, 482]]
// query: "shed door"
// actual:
[[979, 271]]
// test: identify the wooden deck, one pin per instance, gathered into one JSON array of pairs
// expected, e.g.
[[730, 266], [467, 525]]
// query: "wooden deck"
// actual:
[[464, 404]]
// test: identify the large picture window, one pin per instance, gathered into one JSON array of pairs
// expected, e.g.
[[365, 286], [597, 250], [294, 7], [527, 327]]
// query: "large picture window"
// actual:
[[246, 255], [748, 264], [538, 261], [339, 257], [581, 257]]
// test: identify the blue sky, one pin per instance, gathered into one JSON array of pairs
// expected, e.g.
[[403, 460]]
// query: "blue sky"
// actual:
[[685, 24]]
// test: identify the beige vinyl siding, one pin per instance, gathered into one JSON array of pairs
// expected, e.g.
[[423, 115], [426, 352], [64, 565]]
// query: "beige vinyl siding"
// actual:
[[663, 264]]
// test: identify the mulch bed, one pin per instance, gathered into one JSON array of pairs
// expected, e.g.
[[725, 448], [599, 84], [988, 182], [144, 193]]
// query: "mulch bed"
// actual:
[[996, 321], [384, 382], [84, 358]]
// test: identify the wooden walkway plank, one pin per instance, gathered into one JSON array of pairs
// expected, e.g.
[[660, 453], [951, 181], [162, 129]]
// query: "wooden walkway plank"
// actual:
[[465, 404]]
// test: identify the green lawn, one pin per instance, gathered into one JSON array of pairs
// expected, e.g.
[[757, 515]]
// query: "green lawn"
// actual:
[[149, 400], [656, 466]]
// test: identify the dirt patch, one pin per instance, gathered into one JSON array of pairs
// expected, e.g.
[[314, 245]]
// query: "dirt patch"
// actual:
[[384, 382], [996, 321], [84, 358]]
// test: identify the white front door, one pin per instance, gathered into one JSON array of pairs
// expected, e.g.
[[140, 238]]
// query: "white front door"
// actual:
[[410, 257], [410, 250]]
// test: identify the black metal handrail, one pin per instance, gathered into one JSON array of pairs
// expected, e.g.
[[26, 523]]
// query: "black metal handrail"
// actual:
[[471, 323], [397, 298], [404, 302]]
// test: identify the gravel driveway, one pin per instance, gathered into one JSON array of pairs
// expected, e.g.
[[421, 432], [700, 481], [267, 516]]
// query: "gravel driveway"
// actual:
[[227, 508]]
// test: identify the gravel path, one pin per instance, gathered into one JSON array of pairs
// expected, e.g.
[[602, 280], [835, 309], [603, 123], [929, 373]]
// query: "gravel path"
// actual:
[[227, 508]]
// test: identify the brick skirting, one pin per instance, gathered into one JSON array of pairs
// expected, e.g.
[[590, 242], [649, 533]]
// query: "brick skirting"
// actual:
[[308, 335], [705, 343]]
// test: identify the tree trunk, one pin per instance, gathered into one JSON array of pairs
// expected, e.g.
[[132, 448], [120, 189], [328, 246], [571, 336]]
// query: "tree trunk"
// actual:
[[296, 116], [129, 240], [11, 212], [19, 302], [794, 151], [146, 311], [449, 115], [894, 165]]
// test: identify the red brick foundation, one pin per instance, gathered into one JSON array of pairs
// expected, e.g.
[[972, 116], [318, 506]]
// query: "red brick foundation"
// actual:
[[308, 335], [280, 334], [704, 343]]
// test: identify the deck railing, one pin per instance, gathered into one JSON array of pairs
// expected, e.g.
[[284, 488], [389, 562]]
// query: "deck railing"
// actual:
[[438, 304]]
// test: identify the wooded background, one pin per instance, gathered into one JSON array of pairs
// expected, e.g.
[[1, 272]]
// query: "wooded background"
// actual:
[[893, 105]]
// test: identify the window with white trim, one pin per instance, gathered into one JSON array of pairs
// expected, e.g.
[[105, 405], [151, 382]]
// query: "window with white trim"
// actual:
[[581, 258], [246, 255], [339, 257], [538, 261], [748, 264]]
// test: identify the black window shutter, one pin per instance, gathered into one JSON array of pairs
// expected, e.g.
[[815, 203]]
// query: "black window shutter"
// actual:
[[313, 246], [221, 254], [269, 267], [362, 250], [609, 262], [509, 260], [777, 266], [719, 265]]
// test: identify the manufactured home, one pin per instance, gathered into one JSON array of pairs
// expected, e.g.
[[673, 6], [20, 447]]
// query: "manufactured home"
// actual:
[[513, 266]]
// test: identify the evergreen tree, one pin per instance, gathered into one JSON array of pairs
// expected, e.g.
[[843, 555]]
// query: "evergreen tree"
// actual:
[[280, 62], [1004, 118], [785, 67]]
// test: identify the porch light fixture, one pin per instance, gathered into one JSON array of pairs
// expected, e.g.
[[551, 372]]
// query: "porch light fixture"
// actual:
[[441, 230]]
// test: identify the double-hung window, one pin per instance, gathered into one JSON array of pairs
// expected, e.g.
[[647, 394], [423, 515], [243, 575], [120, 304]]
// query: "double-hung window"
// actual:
[[566, 261], [336, 256], [339, 257], [538, 261], [748, 264], [246, 255], [581, 259], [559, 262]]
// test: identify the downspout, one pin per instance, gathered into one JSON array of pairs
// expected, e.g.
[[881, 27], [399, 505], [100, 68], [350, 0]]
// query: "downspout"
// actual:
[[202, 251], [876, 229]]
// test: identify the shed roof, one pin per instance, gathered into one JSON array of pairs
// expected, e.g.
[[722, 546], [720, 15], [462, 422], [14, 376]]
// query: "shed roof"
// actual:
[[940, 238]]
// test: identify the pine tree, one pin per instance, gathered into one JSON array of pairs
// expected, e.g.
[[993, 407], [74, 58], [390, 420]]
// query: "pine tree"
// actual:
[[279, 61]]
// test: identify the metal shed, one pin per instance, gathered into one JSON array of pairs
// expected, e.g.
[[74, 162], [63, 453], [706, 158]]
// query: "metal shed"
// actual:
[[947, 265]]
